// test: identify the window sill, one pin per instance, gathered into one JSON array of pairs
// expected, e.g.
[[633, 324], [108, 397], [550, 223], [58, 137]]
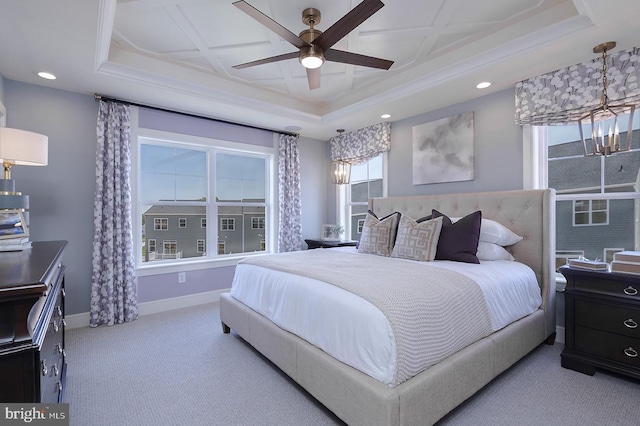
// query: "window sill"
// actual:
[[191, 265]]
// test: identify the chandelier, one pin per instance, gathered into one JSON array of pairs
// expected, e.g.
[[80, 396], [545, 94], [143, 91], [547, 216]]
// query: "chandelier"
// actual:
[[606, 141], [340, 170]]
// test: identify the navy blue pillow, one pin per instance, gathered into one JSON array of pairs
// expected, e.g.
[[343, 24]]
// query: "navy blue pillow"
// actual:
[[459, 241]]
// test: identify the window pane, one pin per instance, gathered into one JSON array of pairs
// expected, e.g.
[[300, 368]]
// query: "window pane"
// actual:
[[359, 192], [358, 214], [582, 205], [599, 217], [598, 205], [582, 218], [166, 238], [169, 173], [242, 237], [240, 178]]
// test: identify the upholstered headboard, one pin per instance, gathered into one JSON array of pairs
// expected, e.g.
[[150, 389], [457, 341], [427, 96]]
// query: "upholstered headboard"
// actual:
[[529, 213]]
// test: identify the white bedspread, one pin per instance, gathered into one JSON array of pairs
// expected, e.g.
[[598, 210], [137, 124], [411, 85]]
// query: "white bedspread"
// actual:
[[356, 332]]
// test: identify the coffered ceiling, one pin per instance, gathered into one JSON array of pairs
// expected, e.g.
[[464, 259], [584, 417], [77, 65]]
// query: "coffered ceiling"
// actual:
[[179, 54]]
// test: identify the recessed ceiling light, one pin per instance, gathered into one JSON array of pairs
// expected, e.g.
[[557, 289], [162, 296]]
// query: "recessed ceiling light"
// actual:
[[385, 116], [46, 75], [483, 85]]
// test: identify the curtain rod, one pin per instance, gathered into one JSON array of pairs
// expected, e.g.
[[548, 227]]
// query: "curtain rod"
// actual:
[[99, 97]]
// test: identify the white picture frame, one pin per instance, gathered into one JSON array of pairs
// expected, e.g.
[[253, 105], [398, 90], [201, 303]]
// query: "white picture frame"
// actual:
[[328, 233]]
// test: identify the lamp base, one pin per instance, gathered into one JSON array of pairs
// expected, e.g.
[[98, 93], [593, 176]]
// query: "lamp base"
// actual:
[[9, 198]]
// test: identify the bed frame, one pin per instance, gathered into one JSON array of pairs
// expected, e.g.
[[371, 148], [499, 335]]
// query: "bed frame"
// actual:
[[357, 398]]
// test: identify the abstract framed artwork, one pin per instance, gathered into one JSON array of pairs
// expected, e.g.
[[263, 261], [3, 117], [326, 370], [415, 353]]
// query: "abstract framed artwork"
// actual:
[[443, 150]]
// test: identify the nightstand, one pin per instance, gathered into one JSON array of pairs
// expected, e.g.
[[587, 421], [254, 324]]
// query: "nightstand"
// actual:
[[314, 244], [602, 322]]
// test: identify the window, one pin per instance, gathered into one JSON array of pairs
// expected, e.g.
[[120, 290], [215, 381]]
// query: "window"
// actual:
[[257, 223], [152, 245], [194, 181], [227, 224], [597, 200], [590, 212], [367, 180]]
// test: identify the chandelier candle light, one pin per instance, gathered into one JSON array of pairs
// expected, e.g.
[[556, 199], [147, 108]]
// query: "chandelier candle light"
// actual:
[[340, 170], [611, 144]]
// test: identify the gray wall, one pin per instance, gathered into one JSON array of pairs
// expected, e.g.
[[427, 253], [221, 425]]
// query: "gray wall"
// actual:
[[60, 194], [497, 145]]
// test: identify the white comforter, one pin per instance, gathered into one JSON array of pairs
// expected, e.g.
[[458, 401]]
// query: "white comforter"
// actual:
[[356, 332]]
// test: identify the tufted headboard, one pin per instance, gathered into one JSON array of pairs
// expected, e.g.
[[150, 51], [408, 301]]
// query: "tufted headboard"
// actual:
[[530, 213]]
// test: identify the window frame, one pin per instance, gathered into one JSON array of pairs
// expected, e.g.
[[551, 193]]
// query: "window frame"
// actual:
[[180, 223], [140, 136], [589, 212], [343, 199]]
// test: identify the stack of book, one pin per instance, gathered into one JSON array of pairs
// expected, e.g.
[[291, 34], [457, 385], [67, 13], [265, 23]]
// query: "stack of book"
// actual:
[[15, 244], [594, 265], [626, 261]]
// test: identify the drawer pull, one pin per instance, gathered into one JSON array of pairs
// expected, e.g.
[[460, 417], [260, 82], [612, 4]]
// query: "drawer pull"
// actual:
[[630, 352], [55, 369], [59, 310], [630, 291], [59, 387], [59, 348], [55, 327], [631, 323], [64, 322], [63, 292], [44, 367]]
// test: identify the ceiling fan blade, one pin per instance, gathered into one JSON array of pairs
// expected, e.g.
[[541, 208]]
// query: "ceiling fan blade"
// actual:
[[334, 55], [271, 24], [313, 75], [268, 60], [347, 23]]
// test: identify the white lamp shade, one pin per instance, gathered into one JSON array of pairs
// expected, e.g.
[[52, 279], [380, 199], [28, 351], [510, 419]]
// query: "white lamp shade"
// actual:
[[23, 148]]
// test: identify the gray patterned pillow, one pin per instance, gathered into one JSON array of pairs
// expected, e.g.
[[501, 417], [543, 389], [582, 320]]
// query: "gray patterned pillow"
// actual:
[[378, 235], [417, 241]]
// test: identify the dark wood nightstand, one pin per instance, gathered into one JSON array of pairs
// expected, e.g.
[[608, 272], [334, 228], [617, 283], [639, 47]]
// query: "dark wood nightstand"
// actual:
[[602, 322], [314, 244]]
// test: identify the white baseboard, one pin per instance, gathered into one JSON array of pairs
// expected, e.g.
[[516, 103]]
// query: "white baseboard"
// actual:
[[560, 334], [154, 307]]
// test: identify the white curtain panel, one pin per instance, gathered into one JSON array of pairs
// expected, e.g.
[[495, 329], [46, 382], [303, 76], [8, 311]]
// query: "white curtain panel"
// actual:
[[114, 298], [565, 95], [290, 219], [362, 145]]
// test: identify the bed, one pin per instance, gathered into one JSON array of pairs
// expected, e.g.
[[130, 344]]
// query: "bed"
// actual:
[[360, 398]]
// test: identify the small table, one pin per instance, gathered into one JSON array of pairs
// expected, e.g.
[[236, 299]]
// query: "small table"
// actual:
[[317, 243]]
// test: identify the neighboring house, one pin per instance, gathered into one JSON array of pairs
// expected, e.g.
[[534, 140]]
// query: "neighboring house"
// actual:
[[611, 223], [360, 191], [175, 232]]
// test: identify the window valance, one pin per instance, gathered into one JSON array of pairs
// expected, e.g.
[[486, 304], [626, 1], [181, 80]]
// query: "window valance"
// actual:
[[565, 95], [361, 145]]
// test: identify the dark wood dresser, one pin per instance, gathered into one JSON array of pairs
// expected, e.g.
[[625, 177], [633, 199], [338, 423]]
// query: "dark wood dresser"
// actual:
[[32, 351], [602, 322]]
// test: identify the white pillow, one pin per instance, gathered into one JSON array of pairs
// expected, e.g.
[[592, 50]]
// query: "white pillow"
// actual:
[[496, 233], [490, 251]]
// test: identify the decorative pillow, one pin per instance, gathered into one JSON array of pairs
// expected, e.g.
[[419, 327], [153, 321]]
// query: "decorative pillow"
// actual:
[[417, 241], [490, 251], [459, 241], [378, 235], [496, 233]]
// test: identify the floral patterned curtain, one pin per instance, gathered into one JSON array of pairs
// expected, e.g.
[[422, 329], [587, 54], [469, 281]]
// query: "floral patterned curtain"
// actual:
[[290, 222], [361, 145], [565, 95], [114, 296]]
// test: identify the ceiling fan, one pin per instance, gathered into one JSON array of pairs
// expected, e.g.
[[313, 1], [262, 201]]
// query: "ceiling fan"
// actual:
[[314, 45]]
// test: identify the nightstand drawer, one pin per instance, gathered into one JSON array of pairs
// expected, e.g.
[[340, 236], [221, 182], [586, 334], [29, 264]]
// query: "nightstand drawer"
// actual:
[[610, 287], [609, 318], [610, 346]]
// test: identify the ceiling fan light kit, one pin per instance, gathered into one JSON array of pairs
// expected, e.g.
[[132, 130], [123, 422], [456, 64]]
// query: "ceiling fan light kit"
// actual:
[[314, 45]]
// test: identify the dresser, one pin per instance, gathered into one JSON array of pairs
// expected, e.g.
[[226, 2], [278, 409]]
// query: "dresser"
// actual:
[[32, 346], [602, 322]]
